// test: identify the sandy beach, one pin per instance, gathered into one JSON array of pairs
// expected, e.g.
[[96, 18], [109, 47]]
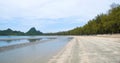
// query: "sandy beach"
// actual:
[[79, 49], [90, 49]]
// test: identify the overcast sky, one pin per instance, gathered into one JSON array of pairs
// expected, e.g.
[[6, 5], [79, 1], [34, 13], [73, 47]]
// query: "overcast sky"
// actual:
[[50, 15]]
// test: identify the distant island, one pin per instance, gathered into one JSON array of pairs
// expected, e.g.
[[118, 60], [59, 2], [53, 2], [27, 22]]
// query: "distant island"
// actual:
[[102, 24], [9, 31]]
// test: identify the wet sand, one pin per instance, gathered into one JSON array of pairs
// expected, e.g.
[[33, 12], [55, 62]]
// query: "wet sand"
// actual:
[[89, 49]]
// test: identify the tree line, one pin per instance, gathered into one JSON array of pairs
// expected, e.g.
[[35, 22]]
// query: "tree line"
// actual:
[[108, 23]]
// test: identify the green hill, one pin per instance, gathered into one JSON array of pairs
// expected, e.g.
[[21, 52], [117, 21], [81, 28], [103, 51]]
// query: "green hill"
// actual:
[[33, 31]]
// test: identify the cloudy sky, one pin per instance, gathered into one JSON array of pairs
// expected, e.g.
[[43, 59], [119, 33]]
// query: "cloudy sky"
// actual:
[[50, 15]]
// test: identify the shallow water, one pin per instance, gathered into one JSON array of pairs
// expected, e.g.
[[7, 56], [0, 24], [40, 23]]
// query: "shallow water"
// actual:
[[18, 37], [12, 40], [39, 53]]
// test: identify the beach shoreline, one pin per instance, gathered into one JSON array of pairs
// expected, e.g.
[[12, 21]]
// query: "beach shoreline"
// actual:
[[10, 47], [90, 49]]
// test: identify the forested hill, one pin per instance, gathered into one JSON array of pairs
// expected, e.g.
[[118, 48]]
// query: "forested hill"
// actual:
[[9, 31], [102, 24]]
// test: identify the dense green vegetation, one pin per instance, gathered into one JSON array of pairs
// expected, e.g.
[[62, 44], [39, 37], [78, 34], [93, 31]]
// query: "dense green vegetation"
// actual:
[[102, 24]]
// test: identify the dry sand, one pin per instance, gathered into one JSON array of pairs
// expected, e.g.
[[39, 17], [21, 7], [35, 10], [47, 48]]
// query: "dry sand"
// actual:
[[89, 49], [110, 35]]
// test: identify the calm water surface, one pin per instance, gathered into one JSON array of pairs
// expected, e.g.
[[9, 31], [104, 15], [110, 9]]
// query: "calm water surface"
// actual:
[[12, 40], [39, 53]]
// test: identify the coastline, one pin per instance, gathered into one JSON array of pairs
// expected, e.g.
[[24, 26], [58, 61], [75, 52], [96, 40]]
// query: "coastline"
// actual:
[[10, 47]]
